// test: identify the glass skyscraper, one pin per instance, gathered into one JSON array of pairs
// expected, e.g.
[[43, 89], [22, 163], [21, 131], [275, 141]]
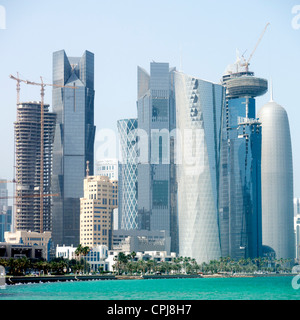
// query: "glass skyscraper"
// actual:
[[156, 174], [199, 106], [240, 166], [74, 140], [128, 184]]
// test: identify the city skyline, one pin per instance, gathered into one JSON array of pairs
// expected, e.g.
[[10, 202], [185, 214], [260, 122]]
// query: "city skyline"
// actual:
[[121, 44], [150, 140]]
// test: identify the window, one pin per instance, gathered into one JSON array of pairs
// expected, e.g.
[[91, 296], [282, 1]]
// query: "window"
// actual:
[[160, 195], [160, 109]]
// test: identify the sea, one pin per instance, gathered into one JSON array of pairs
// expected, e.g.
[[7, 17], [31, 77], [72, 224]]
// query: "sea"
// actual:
[[252, 288]]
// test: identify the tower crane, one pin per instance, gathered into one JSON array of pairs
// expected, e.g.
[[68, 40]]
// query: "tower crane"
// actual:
[[32, 196], [8, 181], [246, 63], [42, 85]]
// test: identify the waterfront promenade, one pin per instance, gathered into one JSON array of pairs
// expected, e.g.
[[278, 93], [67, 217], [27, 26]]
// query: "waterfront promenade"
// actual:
[[65, 278]]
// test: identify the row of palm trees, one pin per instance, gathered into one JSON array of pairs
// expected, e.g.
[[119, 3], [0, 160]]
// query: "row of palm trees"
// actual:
[[23, 266], [127, 264]]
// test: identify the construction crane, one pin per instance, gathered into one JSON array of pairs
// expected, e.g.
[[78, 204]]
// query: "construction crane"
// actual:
[[42, 85], [247, 63], [32, 196], [8, 181]]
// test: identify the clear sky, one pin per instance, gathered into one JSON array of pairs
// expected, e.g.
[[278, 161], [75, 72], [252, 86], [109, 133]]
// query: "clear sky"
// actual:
[[201, 36]]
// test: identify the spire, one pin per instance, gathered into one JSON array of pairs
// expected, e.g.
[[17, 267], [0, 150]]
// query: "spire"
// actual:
[[87, 169], [271, 91]]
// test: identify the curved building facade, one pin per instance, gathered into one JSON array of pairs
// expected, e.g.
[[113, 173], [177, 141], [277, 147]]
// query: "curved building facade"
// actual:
[[198, 116], [277, 181]]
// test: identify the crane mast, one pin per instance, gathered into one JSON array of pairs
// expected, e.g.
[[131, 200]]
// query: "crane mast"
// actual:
[[42, 85], [247, 63]]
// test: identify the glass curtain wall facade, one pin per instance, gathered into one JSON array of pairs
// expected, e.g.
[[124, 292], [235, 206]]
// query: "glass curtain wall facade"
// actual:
[[128, 185], [240, 168], [74, 140], [199, 113], [156, 173]]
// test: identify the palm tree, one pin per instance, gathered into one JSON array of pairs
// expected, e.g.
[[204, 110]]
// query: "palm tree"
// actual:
[[78, 251], [82, 251], [140, 266], [121, 260], [133, 255]]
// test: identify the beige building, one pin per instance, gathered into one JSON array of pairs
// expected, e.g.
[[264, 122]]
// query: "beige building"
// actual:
[[30, 238], [96, 211]]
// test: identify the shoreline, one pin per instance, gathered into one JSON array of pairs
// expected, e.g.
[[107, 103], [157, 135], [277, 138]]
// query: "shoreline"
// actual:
[[13, 280]]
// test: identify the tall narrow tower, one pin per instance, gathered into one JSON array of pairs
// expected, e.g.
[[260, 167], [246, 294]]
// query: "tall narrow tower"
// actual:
[[156, 180], [74, 140], [199, 106], [28, 166], [277, 181], [128, 185], [240, 184]]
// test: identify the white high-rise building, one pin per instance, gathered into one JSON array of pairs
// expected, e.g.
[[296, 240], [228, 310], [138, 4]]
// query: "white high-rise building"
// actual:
[[277, 181], [297, 226], [198, 123]]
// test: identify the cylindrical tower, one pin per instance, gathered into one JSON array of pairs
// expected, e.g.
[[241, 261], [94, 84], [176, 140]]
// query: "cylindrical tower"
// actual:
[[277, 181]]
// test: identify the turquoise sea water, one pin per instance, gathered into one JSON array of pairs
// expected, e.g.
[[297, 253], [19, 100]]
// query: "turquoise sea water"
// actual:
[[261, 288]]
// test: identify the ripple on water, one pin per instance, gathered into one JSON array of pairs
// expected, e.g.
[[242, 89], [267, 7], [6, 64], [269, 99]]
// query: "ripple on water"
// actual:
[[262, 288]]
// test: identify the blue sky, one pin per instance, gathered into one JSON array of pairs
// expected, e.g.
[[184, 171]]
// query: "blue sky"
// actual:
[[123, 34]]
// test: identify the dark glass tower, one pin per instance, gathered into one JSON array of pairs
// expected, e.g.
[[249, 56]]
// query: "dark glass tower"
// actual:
[[156, 173], [74, 140], [240, 166]]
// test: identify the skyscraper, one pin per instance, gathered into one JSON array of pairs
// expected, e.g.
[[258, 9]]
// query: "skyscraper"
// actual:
[[128, 184], [28, 166], [74, 140], [96, 211], [277, 181], [240, 183], [156, 180], [297, 227], [199, 107]]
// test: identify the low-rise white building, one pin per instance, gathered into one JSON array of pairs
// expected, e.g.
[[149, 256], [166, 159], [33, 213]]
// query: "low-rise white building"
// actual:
[[66, 252], [95, 258], [159, 256]]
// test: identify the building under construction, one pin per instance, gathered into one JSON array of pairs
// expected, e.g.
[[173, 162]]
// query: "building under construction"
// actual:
[[28, 166]]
